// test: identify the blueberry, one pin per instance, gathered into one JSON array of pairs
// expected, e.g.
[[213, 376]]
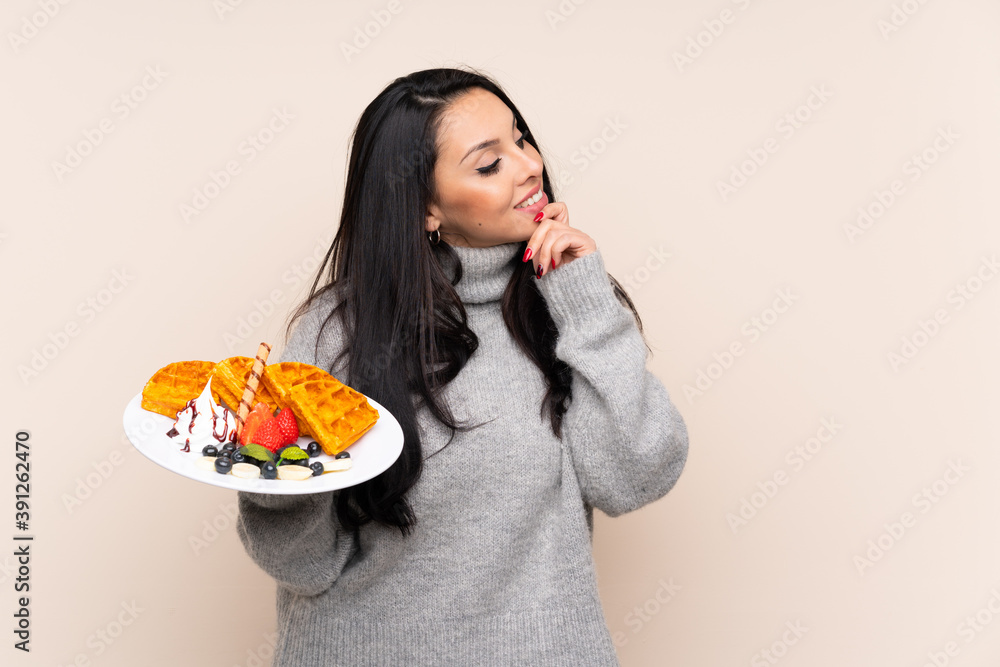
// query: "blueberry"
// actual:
[[223, 465], [268, 471], [317, 468], [313, 448], [278, 451], [343, 455], [209, 450], [228, 447], [225, 455], [237, 457]]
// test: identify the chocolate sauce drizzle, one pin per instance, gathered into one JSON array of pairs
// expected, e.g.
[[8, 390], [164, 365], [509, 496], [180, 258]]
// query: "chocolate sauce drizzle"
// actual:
[[194, 413], [226, 435], [221, 437]]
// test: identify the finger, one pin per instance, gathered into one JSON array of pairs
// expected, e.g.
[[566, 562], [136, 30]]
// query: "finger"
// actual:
[[535, 241], [556, 211], [555, 240], [535, 245], [554, 245], [562, 246]]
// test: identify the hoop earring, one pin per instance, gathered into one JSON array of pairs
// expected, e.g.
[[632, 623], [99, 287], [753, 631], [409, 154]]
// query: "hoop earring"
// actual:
[[434, 237]]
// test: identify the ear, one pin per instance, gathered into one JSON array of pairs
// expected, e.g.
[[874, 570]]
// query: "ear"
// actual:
[[433, 218]]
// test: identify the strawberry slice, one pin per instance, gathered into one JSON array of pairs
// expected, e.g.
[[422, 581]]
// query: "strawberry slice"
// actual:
[[254, 419], [288, 426], [268, 434]]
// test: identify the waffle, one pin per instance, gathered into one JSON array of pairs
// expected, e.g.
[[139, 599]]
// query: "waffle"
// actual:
[[335, 414], [230, 379], [328, 410], [281, 377], [171, 387]]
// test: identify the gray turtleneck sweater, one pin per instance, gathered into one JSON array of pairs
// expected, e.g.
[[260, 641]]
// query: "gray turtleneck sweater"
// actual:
[[498, 570]]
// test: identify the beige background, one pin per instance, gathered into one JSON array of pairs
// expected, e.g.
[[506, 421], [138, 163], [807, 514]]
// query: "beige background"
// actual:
[[117, 537]]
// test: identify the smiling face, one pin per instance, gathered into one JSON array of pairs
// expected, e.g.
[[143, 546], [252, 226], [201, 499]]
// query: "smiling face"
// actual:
[[484, 169]]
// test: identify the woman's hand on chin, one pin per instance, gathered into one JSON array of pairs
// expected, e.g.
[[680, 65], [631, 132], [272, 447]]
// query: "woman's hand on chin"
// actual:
[[554, 242]]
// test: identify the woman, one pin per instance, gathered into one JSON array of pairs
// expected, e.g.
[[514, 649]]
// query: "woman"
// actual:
[[515, 364]]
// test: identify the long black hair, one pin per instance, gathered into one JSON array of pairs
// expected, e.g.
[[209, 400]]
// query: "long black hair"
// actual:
[[406, 332]]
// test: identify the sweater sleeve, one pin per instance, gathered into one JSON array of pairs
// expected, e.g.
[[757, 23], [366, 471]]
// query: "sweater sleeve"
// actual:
[[626, 438], [297, 539]]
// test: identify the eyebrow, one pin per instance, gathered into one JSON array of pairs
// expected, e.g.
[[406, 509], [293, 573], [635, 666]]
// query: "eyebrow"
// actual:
[[485, 144]]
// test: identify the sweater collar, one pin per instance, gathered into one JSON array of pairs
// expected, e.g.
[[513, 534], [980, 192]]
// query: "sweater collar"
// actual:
[[486, 271]]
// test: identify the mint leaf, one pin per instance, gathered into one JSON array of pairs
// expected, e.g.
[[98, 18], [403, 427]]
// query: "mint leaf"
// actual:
[[294, 453], [258, 452]]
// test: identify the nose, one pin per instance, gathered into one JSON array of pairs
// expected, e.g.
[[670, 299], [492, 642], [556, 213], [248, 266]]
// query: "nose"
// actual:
[[529, 164]]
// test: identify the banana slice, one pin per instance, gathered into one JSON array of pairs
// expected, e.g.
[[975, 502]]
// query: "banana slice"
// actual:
[[297, 473], [246, 470], [206, 463], [336, 465]]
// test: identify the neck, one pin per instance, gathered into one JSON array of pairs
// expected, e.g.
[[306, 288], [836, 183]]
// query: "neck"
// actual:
[[486, 271]]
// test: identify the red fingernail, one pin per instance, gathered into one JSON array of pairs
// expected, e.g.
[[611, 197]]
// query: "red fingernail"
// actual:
[[527, 255], [538, 274], [553, 262], [539, 216]]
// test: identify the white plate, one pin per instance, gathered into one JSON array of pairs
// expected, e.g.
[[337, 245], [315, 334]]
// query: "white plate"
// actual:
[[371, 454]]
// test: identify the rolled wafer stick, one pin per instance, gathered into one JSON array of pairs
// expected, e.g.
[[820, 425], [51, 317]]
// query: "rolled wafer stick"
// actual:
[[251, 389]]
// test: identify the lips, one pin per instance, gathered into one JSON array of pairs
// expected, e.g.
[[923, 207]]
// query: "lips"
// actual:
[[529, 195], [535, 208]]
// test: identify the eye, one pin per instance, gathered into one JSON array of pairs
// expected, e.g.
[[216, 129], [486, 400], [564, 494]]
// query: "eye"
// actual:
[[490, 170], [495, 167]]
